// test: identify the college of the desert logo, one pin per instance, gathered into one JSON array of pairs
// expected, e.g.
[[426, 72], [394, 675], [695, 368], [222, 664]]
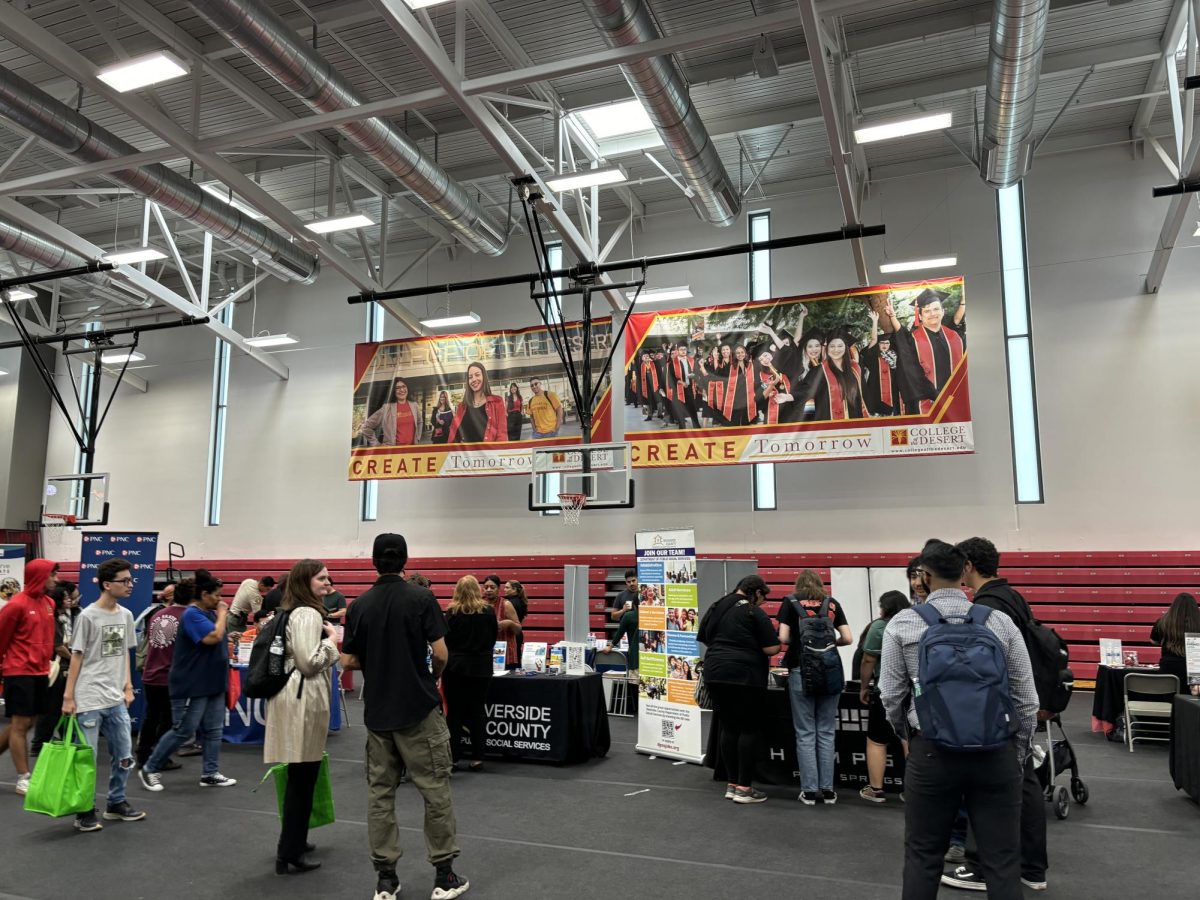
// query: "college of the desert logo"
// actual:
[[899, 437]]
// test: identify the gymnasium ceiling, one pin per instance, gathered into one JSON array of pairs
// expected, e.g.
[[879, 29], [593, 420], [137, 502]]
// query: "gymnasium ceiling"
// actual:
[[1099, 85]]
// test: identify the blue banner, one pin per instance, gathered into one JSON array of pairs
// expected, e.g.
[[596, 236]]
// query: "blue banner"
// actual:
[[140, 548]]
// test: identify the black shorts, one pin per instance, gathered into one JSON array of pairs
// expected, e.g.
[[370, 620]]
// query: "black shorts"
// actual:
[[879, 729], [25, 695]]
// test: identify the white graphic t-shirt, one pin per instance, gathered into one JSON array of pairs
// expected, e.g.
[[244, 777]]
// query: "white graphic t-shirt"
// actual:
[[105, 639]]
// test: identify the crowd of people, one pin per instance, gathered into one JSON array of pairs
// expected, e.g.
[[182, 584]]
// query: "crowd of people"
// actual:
[[481, 417], [808, 375]]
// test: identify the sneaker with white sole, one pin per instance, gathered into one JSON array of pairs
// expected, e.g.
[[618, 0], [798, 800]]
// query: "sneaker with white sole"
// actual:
[[829, 797], [748, 795], [965, 878], [151, 781], [809, 798], [448, 885], [956, 854], [875, 795], [87, 821], [216, 779], [729, 790], [387, 887], [1034, 884], [23, 784], [123, 812]]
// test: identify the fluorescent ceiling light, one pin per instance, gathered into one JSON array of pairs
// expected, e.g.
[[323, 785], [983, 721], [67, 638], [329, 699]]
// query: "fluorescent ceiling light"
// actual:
[[137, 255], [940, 262], [421, 4], [271, 340], [467, 319], [902, 128], [616, 119], [1196, 233], [20, 294], [662, 295], [571, 181], [338, 223], [3, 371], [120, 356], [141, 71], [222, 194]]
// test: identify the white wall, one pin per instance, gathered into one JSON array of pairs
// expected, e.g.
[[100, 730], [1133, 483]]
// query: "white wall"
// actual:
[[1118, 401]]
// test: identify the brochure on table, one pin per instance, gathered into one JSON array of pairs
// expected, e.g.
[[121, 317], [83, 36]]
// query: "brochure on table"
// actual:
[[499, 657], [1191, 649], [668, 612], [1110, 652], [534, 658]]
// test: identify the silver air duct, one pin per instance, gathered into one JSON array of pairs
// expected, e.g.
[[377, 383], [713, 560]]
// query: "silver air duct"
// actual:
[[266, 39], [663, 91], [45, 252], [1014, 68], [82, 138]]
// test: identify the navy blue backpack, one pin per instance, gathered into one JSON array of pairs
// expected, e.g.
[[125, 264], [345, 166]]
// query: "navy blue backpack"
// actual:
[[962, 694]]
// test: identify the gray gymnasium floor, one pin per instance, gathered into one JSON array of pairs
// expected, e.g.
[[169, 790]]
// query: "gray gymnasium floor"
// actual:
[[625, 827]]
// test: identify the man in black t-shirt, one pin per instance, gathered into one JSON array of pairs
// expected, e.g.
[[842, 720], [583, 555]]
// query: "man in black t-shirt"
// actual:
[[624, 613], [389, 630]]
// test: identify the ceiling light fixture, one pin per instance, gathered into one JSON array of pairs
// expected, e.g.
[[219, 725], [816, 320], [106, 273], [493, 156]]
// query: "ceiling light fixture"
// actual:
[[903, 128], [616, 119], [222, 193], [20, 294], [142, 71], [271, 340], [120, 356], [586, 178], [467, 319], [3, 371], [137, 255], [662, 295], [421, 4], [339, 223], [939, 262]]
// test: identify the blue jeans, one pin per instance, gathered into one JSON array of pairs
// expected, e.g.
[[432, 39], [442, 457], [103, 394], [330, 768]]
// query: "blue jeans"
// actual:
[[207, 714], [538, 435], [958, 834], [815, 720], [113, 725]]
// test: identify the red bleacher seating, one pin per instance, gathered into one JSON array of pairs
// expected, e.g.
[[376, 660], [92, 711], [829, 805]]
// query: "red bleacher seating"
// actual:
[[1084, 595]]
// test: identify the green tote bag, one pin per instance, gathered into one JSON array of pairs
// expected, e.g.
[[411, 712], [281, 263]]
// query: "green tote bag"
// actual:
[[322, 811], [64, 778]]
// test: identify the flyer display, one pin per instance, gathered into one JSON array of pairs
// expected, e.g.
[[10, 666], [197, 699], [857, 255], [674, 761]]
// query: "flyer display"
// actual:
[[668, 617]]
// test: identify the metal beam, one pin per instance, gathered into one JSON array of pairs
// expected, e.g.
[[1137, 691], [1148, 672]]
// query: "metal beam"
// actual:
[[1180, 209], [1158, 72], [843, 169], [22, 215], [441, 67]]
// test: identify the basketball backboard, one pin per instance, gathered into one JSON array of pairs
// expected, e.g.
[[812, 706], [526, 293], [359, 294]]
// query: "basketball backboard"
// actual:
[[75, 499], [599, 471]]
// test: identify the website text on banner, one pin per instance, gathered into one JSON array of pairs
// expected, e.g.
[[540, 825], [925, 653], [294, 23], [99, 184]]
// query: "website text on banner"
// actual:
[[470, 404], [866, 372], [668, 654]]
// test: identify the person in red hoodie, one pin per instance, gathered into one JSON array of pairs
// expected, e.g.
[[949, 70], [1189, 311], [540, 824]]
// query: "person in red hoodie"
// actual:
[[26, 646]]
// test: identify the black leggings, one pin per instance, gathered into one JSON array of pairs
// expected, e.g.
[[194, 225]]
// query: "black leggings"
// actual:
[[466, 696], [157, 720], [297, 808], [741, 711]]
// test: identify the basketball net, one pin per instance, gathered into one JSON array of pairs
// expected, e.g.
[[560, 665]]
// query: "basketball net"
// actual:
[[572, 507]]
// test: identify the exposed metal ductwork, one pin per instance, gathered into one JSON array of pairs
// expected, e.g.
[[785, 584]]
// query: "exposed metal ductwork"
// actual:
[[1014, 69], [264, 37], [83, 139], [663, 91], [45, 253]]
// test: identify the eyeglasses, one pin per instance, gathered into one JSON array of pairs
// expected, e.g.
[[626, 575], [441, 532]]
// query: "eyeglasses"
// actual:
[[123, 581]]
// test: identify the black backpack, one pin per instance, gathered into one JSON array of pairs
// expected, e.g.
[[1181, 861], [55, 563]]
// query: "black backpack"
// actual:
[[1048, 656], [819, 662], [266, 675]]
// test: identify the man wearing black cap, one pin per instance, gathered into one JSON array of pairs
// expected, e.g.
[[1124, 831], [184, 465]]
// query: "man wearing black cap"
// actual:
[[389, 631], [929, 352]]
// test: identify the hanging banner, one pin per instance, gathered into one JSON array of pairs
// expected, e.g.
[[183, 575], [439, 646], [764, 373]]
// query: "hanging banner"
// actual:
[[12, 563], [867, 372], [668, 617], [471, 404], [141, 550]]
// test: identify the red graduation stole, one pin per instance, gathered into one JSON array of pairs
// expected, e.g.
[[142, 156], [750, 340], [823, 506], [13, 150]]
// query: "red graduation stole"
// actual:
[[783, 386], [649, 374], [731, 389], [885, 381], [837, 397], [680, 387], [926, 358]]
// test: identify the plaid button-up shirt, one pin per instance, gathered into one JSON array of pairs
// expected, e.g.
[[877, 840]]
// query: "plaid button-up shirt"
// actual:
[[899, 664]]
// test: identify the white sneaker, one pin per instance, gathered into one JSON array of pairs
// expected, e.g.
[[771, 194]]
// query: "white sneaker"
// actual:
[[23, 784], [151, 781], [216, 779], [1033, 885]]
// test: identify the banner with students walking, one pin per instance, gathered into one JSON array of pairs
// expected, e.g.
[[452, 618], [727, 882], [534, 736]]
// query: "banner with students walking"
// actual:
[[472, 404], [668, 653], [867, 372]]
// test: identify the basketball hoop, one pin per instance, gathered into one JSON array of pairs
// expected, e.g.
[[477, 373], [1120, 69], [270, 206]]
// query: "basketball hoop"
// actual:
[[58, 520], [572, 507]]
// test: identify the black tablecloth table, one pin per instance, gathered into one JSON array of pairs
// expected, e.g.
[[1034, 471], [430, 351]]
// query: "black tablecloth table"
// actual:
[[777, 755], [1108, 704], [1185, 745], [546, 718]]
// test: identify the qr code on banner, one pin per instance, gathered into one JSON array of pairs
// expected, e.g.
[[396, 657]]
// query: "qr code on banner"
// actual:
[[668, 729]]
